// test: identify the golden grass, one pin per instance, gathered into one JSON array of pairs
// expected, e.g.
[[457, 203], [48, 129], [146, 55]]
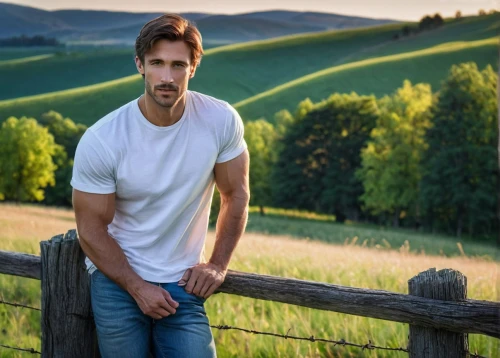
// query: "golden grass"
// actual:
[[22, 227], [342, 263]]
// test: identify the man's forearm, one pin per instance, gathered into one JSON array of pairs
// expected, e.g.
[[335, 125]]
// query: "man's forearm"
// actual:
[[109, 258], [230, 226]]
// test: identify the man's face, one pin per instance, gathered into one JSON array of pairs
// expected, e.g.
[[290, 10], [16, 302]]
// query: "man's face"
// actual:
[[167, 69]]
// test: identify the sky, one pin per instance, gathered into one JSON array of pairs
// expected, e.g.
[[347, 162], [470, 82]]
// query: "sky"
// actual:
[[392, 9]]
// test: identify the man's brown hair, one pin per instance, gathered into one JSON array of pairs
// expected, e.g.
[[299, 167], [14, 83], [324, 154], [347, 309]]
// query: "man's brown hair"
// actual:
[[170, 27]]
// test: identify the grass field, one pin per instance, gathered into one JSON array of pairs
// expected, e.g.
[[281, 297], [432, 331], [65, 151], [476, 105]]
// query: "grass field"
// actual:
[[13, 53], [22, 227], [64, 70], [378, 76], [238, 72], [24, 60]]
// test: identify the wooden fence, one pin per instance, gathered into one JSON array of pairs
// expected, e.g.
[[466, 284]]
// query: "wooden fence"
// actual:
[[436, 308]]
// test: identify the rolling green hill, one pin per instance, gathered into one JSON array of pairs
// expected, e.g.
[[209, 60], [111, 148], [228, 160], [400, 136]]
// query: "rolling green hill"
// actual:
[[64, 70], [23, 60], [378, 76], [15, 53], [83, 105], [242, 70], [238, 72]]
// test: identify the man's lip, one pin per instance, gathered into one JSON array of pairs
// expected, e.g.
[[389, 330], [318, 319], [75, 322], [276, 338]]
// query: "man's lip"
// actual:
[[166, 90]]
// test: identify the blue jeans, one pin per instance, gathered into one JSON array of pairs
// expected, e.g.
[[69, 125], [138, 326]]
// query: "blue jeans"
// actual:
[[124, 331]]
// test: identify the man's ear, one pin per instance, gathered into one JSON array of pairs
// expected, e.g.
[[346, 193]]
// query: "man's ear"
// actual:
[[139, 65], [193, 70]]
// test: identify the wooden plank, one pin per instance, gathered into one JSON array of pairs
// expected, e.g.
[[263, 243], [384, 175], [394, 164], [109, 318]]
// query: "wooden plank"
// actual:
[[19, 264], [68, 329], [469, 316], [424, 342]]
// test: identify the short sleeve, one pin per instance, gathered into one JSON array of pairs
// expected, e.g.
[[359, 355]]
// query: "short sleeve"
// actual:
[[233, 143], [93, 168]]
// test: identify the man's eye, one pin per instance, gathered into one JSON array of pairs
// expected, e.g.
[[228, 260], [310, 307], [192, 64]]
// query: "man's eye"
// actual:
[[155, 62], [180, 65]]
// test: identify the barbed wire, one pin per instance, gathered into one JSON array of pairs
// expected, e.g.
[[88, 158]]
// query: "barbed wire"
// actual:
[[29, 350], [341, 342], [19, 305], [474, 355]]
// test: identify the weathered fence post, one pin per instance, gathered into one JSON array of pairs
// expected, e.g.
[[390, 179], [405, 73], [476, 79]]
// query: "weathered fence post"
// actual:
[[68, 329], [446, 285]]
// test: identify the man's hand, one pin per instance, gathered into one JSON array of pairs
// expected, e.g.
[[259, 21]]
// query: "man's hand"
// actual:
[[153, 300], [203, 279]]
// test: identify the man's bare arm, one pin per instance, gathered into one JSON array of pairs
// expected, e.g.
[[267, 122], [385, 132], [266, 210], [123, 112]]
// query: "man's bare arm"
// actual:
[[233, 184], [94, 212]]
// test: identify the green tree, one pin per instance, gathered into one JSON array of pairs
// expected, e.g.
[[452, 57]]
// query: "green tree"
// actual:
[[303, 109], [438, 20], [283, 120], [67, 134], [321, 152], [461, 170], [26, 165], [391, 161], [261, 137]]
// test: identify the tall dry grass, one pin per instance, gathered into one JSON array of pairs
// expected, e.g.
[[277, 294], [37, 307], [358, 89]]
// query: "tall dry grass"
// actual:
[[22, 227]]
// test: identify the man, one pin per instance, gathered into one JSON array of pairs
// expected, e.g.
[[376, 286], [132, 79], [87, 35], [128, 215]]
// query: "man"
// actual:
[[143, 182]]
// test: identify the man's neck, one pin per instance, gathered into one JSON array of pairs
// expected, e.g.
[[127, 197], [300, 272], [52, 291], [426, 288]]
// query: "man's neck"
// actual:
[[161, 116]]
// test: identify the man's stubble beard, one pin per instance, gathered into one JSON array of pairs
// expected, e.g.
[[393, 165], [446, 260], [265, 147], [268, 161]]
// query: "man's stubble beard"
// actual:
[[159, 101]]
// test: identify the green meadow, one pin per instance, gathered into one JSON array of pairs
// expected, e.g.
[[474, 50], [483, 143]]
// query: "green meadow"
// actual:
[[348, 262], [244, 74], [260, 78], [64, 70], [378, 76], [14, 53]]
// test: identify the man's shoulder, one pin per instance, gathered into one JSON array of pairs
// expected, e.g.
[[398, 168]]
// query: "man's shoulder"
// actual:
[[119, 115], [208, 102]]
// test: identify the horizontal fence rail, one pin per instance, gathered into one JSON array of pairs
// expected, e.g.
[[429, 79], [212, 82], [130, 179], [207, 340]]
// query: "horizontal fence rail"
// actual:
[[467, 316]]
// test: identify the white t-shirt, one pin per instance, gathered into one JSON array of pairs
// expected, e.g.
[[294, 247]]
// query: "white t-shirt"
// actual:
[[163, 179]]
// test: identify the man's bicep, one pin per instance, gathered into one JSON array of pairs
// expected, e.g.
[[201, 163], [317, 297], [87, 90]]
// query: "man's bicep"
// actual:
[[93, 210], [232, 176]]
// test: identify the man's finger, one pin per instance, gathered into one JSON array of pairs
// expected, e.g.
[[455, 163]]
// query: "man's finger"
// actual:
[[200, 283], [211, 291], [192, 281], [162, 312], [185, 278], [169, 299], [206, 287]]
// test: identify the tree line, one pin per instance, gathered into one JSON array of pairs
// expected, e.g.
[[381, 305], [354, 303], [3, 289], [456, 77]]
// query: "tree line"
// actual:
[[27, 41], [413, 159], [428, 22]]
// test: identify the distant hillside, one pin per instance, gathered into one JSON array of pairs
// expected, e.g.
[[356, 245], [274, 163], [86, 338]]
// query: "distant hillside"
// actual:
[[40, 74], [377, 76], [262, 77], [109, 26], [219, 29], [328, 21]]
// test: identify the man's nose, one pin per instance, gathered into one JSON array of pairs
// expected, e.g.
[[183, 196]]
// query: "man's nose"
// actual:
[[167, 75]]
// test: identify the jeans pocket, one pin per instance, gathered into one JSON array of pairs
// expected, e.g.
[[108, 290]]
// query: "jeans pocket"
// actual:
[[201, 299]]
